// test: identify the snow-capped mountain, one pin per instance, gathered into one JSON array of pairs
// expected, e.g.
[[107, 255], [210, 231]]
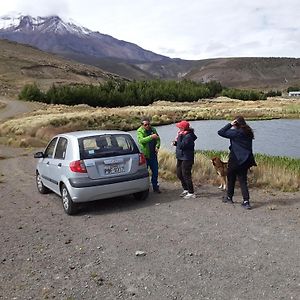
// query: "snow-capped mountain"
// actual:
[[65, 37], [20, 23]]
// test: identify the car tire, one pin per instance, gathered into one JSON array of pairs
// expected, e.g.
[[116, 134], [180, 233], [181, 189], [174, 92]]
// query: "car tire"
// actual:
[[69, 206], [39, 184], [141, 195]]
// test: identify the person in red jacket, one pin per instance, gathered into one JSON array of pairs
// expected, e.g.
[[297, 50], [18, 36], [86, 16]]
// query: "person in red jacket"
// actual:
[[185, 153]]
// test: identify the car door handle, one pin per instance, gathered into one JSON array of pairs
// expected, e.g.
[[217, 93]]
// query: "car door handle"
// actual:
[[59, 165]]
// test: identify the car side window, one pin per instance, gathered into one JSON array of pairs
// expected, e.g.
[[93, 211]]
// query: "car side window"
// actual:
[[61, 148], [50, 149]]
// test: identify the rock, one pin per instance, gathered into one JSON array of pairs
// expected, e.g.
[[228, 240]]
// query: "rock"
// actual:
[[140, 253]]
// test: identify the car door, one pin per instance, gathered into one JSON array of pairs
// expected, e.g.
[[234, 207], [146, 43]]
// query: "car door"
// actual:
[[57, 165], [45, 163]]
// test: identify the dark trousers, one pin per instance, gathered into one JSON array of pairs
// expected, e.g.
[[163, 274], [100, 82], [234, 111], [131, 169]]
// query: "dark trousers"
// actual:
[[241, 174], [152, 163], [184, 174]]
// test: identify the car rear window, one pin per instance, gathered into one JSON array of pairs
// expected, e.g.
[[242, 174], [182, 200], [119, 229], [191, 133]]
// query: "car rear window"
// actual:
[[106, 145]]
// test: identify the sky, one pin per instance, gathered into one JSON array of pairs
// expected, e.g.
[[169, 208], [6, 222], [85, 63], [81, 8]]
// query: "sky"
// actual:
[[186, 29]]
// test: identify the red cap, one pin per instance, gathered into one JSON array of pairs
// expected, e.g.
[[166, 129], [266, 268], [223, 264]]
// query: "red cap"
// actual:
[[183, 125]]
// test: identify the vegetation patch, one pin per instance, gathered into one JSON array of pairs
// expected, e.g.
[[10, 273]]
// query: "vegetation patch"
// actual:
[[278, 173], [35, 128], [119, 93]]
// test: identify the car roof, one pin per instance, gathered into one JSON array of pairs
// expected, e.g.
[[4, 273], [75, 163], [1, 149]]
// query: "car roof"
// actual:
[[87, 133]]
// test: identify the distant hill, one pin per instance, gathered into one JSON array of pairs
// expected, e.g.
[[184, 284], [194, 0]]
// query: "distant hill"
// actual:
[[22, 64], [65, 38], [248, 72]]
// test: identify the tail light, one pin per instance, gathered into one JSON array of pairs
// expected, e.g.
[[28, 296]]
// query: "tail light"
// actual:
[[142, 159], [78, 166]]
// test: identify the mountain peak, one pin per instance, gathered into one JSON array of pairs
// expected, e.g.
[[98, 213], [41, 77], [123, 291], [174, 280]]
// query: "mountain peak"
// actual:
[[24, 23], [65, 37]]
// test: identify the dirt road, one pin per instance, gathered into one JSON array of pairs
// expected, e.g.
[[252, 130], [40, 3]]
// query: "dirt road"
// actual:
[[193, 249], [15, 107]]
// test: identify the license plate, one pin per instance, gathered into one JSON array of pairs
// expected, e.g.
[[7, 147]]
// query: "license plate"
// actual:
[[114, 169]]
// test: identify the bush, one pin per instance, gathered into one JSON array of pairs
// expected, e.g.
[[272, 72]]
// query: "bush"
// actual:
[[31, 92], [119, 93], [243, 94], [273, 93], [293, 89]]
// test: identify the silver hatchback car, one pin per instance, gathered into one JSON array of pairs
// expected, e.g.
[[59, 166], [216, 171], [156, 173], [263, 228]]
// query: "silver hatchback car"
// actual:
[[92, 165]]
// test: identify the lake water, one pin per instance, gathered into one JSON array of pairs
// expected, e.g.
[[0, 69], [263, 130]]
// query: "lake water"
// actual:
[[273, 137]]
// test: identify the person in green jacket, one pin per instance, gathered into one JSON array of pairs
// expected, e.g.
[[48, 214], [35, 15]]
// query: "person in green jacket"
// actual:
[[149, 142]]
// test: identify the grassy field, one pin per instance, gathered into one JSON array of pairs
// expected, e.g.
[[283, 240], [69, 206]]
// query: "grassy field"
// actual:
[[274, 173], [36, 128]]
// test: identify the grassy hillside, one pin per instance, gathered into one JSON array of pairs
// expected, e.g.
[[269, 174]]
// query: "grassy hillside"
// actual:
[[21, 64], [249, 72]]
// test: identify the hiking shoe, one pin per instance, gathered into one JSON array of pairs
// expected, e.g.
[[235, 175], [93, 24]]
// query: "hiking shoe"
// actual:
[[189, 196], [227, 199], [185, 192], [157, 190], [246, 205]]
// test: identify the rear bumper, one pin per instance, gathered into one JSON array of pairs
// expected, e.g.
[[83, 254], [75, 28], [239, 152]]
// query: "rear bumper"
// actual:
[[90, 190], [86, 182]]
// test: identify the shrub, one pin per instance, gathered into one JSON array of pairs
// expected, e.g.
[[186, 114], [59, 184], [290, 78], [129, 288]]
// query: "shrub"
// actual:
[[31, 92]]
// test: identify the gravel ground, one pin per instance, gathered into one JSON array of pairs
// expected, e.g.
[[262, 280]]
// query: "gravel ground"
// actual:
[[189, 249]]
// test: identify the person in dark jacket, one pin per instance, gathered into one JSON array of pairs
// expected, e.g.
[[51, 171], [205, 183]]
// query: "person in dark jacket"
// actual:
[[240, 157], [185, 152]]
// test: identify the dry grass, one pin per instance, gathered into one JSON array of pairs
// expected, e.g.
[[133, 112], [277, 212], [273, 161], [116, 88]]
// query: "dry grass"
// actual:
[[265, 175], [37, 127], [203, 170], [22, 64]]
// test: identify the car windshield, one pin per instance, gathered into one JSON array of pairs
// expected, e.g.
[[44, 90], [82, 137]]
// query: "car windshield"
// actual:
[[106, 145]]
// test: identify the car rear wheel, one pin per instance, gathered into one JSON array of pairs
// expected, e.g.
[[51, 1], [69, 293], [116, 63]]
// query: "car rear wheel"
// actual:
[[141, 195], [69, 206], [40, 186]]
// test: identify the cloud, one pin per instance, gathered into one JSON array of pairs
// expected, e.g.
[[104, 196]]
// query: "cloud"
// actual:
[[43, 7]]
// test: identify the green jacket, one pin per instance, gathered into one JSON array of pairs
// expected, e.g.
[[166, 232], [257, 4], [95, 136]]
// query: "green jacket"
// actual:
[[144, 139]]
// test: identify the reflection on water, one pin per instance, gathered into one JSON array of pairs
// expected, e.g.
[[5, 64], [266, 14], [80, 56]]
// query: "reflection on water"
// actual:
[[272, 137]]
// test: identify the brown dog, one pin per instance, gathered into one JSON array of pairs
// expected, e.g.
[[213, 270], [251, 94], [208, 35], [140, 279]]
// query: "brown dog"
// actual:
[[221, 168]]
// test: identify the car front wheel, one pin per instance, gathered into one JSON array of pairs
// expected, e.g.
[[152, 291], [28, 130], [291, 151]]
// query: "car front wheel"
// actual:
[[39, 184], [69, 206]]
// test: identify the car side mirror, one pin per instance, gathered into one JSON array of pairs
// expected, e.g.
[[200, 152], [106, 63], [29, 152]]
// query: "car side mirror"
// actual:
[[39, 155]]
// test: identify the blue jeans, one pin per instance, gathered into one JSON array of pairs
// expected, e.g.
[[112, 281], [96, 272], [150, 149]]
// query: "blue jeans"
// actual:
[[152, 163]]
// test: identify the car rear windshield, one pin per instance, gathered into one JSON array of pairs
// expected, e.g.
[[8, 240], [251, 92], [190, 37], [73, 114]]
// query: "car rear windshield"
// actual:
[[106, 145]]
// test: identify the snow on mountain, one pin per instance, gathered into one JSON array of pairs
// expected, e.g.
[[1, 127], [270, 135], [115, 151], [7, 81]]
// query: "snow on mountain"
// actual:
[[22, 23], [65, 37], [8, 21]]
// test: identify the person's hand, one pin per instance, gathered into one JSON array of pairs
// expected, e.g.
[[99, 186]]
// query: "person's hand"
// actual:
[[156, 150], [154, 136], [234, 123]]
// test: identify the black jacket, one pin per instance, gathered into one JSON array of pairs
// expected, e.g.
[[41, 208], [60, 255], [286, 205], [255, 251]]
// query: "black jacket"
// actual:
[[185, 146], [240, 145]]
